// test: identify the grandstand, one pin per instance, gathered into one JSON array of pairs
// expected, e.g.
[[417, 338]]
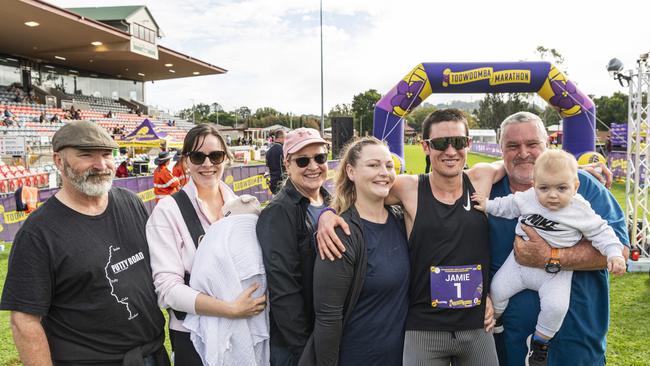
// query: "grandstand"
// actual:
[[92, 60]]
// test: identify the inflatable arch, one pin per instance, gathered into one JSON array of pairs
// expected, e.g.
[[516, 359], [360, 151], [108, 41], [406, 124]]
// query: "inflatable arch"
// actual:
[[575, 107]]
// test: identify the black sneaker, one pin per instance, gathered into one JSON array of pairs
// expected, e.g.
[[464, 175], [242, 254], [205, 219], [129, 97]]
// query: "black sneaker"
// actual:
[[537, 352], [498, 326]]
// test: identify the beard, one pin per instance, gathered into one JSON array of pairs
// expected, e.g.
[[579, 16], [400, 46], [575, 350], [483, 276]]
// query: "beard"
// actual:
[[92, 182]]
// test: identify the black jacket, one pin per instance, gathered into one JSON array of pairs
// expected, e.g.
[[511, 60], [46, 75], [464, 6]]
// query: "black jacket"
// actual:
[[288, 247], [337, 286]]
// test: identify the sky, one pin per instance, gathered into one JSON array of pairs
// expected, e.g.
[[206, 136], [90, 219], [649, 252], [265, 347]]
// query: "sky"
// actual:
[[271, 48]]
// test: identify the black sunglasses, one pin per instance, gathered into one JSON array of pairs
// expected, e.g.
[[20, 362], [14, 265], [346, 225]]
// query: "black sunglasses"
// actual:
[[303, 161], [441, 143], [216, 157]]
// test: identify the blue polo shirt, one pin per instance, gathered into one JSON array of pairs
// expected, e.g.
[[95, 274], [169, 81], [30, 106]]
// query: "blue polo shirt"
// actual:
[[581, 339]]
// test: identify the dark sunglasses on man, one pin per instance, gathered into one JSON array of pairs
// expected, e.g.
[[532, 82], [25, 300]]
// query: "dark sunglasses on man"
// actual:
[[216, 157], [303, 161], [441, 143]]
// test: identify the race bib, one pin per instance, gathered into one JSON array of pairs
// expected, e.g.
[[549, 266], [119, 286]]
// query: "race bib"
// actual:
[[456, 287]]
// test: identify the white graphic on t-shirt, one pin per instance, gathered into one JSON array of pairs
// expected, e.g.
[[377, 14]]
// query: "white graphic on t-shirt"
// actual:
[[116, 268]]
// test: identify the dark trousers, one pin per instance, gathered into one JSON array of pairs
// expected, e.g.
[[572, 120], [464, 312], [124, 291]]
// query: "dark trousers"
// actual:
[[183, 348], [281, 356], [275, 185]]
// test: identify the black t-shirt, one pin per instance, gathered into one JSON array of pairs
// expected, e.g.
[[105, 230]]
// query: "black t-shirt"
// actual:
[[450, 260], [89, 277]]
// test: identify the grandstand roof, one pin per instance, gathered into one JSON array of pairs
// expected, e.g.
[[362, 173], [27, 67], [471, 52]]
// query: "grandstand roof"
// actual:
[[106, 13], [63, 38]]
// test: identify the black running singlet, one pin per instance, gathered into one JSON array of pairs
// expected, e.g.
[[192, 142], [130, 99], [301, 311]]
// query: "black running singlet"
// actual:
[[450, 261]]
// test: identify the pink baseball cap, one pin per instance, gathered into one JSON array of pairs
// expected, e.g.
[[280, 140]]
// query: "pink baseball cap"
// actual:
[[299, 138]]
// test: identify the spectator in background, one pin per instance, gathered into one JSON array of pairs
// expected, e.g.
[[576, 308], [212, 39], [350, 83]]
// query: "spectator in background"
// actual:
[[180, 169], [228, 140], [123, 170], [109, 114], [55, 118], [9, 117], [274, 158], [42, 118], [164, 183], [608, 145]]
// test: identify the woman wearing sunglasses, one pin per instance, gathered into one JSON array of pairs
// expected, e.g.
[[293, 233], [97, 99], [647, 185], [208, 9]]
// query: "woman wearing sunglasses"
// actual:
[[361, 301], [286, 230], [172, 247]]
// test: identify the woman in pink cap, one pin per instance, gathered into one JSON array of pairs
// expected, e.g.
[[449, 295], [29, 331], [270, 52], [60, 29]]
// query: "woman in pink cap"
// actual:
[[286, 230]]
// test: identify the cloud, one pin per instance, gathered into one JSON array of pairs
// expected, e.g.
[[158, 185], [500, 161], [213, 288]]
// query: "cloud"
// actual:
[[272, 48]]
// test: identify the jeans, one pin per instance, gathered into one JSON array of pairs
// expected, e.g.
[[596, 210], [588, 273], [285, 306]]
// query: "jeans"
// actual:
[[281, 356]]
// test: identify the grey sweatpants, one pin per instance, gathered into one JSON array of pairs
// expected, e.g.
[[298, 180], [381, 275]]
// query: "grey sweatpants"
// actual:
[[554, 292], [442, 348]]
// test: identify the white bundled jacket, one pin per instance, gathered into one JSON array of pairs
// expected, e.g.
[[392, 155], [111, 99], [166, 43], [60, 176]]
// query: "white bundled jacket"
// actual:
[[561, 228], [227, 262]]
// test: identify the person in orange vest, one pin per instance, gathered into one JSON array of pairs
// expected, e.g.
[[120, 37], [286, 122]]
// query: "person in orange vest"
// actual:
[[180, 171], [164, 183]]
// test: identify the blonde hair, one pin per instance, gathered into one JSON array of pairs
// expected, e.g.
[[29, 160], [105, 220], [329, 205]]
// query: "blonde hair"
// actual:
[[345, 194], [554, 160]]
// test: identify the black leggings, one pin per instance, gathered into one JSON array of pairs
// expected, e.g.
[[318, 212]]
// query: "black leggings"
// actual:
[[183, 348]]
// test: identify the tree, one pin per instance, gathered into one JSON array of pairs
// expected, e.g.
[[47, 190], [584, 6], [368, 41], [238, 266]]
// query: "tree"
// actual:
[[264, 112], [554, 54], [494, 108], [202, 111], [340, 110], [243, 113], [417, 116], [363, 107], [550, 116], [612, 109]]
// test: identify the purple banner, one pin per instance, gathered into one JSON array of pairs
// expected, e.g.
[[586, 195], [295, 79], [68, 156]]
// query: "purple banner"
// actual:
[[243, 180], [617, 162], [486, 148]]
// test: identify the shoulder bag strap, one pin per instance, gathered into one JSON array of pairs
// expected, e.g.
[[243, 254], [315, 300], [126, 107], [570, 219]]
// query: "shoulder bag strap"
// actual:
[[193, 226]]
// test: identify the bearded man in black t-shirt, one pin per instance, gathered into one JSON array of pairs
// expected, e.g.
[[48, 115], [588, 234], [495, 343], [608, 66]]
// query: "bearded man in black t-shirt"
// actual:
[[79, 282]]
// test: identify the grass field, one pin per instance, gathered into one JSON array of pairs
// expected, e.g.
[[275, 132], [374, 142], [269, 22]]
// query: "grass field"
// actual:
[[629, 333]]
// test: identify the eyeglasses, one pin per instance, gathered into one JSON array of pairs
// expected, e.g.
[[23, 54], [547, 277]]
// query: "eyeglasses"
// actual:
[[441, 143], [216, 157], [303, 161]]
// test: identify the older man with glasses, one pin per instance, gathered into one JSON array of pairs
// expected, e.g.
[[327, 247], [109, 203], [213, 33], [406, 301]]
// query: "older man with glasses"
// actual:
[[581, 339]]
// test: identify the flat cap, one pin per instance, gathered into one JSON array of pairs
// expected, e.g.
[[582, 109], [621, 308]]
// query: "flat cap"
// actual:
[[83, 135]]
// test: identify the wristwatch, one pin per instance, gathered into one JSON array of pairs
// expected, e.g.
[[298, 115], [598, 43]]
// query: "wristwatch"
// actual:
[[553, 264]]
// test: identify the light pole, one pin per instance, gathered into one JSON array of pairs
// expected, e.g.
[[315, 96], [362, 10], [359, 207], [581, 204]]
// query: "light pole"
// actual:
[[322, 108], [216, 109], [193, 114]]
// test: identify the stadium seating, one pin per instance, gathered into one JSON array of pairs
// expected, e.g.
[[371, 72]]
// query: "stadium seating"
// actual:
[[40, 134]]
